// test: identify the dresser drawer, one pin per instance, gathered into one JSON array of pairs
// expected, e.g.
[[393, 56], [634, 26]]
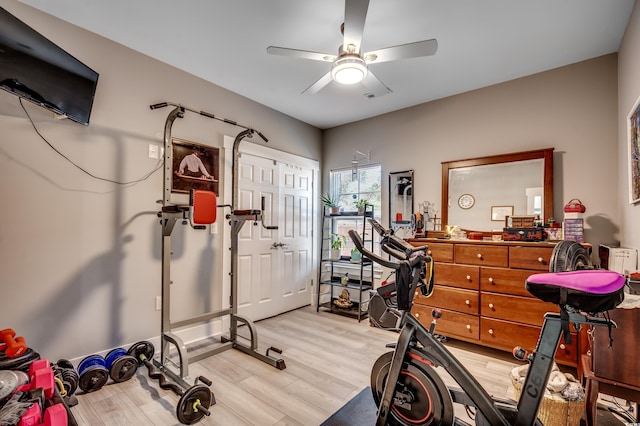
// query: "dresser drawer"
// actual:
[[451, 324], [483, 255], [440, 252], [461, 276], [525, 310], [507, 335], [536, 258], [454, 299], [503, 280]]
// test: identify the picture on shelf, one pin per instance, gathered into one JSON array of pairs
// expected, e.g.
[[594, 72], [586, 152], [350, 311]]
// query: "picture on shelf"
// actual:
[[499, 213]]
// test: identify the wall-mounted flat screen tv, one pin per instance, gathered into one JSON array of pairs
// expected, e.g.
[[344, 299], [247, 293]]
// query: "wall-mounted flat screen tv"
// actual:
[[34, 68]]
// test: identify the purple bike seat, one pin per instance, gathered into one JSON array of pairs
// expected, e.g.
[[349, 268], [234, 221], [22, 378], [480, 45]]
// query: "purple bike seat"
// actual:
[[590, 290]]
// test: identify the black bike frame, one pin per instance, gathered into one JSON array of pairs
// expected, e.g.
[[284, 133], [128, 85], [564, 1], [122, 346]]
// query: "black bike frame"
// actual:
[[433, 351]]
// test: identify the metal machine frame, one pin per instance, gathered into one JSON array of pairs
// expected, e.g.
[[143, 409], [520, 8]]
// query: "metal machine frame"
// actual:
[[170, 214]]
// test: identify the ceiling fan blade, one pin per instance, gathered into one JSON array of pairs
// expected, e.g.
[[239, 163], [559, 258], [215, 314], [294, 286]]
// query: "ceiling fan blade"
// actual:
[[355, 13], [318, 85], [375, 88], [403, 51], [304, 54]]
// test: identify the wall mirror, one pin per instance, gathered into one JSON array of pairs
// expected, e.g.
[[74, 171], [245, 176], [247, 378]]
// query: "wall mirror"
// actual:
[[401, 200], [477, 193]]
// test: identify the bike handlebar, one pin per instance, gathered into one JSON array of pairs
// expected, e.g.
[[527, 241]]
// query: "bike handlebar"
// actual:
[[355, 237], [387, 238]]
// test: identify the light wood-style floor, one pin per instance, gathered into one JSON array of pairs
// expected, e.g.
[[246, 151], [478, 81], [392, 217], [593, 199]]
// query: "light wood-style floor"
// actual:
[[328, 359]]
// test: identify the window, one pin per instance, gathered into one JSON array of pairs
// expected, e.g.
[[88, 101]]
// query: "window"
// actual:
[[367, 185], [347, 188]]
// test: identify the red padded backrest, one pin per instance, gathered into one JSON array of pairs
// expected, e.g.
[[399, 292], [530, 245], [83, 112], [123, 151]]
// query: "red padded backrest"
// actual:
[[203, 207]]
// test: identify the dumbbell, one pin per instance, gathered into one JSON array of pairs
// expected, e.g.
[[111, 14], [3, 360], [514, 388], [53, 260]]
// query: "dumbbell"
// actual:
[[11, 345], [95, 370], [93, 373]]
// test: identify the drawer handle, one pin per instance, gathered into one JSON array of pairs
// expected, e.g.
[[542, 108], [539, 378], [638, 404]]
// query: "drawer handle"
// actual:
[[491, 331], [491, 280], [468, 277], [429, 252], [418, 315], [467, 302], [468, 326], [490, 305], [479, 255], [416, 293], [563, 346], [541, 260]]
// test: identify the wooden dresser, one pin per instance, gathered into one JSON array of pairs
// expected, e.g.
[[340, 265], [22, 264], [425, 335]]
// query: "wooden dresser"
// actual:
[[479, 286]]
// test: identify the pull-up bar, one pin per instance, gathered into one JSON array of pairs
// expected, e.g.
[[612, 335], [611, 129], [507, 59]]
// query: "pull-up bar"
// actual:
[[207, 114]]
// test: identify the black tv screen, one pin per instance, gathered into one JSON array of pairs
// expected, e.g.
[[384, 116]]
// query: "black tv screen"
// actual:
[[33, 67]]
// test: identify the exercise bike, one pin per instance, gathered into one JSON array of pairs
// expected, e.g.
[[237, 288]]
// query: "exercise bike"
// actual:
[[409, 391]]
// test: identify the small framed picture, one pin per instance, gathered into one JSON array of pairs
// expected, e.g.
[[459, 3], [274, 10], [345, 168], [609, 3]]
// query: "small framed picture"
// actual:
[[195, 166], [499, 213]]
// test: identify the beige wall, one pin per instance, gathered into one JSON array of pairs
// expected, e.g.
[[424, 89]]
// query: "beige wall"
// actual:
[[628, 93], [80, 257], [571, 109]]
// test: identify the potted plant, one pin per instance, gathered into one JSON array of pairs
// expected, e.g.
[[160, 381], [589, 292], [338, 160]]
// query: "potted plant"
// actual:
[[356, 256], [337, 242], [330, 202], [360, 205]]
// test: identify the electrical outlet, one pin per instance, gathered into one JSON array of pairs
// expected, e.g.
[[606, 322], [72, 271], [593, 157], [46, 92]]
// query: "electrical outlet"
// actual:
[[158, 303], [153, 151]]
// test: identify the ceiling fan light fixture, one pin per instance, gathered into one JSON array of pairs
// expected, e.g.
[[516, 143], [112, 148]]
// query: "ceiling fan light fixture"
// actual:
[[349, 70]]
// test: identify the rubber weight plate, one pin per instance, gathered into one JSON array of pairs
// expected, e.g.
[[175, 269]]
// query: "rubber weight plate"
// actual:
[[123, 368], [186, 411], [142, 350]]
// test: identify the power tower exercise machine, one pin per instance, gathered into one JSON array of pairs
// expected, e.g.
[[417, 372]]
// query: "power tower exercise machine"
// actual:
[[200, 208]]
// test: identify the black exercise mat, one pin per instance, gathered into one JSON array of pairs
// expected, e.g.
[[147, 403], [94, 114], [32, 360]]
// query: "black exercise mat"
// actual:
[[361, 410]]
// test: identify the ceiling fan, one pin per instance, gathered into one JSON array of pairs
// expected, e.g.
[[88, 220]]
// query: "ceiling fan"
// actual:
[[350, 66]]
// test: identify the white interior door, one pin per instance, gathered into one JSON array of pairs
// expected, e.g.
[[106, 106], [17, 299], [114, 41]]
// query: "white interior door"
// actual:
[[258, 260], [295, 236], [276, 268]]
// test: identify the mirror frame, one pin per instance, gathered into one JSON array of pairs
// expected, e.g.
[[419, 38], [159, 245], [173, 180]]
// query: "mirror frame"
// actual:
[[406, 220], [545, 154]]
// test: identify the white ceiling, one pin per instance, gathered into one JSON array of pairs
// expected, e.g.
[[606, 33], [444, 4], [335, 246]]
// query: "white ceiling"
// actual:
[[480, 43]]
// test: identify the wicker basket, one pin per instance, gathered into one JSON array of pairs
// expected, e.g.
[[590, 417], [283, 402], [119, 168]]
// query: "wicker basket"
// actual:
[[555, 410]]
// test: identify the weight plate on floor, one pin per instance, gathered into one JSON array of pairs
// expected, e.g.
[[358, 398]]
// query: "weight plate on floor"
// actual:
[[123, 368], [9, 382], [142, 350], [186, 412], [91, 361], [93, 378], [21, 362], [113, 355]]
